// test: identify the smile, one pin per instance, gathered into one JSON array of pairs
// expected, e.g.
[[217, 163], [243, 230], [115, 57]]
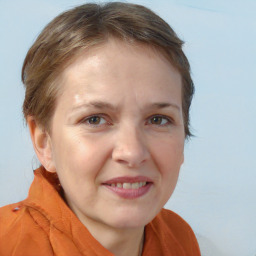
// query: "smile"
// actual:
[[129, 187], [126, 185]]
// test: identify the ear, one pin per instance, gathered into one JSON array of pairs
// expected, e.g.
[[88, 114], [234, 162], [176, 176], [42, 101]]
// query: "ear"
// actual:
[[42, 144]]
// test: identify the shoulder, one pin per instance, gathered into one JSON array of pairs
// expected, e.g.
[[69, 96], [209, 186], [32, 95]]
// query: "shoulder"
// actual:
[[10, 217], [168, 224], [19, 232], [172, 220]]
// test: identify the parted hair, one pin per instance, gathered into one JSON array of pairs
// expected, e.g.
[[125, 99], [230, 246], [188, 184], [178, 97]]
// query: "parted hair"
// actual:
[[84, 27]]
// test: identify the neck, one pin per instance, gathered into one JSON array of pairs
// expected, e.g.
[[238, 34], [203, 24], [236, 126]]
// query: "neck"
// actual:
[[119, 241], [126, 243]]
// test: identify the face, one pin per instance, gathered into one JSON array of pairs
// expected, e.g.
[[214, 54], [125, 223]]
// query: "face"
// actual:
[[117, 134]]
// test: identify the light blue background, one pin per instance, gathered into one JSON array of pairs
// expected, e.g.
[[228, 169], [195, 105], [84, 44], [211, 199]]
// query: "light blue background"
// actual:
[[216, 192]]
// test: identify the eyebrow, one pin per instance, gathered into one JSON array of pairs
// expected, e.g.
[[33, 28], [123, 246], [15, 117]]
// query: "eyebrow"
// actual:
[[160, 105], [106, 105], [96, 104]]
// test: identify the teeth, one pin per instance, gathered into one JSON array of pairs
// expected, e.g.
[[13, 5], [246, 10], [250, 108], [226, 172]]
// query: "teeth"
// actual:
[[135, 185], [127, 185]]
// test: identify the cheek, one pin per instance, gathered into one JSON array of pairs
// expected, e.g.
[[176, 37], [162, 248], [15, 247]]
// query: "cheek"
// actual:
[[168, 160], [78, 162], [169, 154], [79, 155]]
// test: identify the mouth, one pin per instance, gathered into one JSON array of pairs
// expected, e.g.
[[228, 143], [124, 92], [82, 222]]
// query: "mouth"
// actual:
[[129, 187], [126, 185]]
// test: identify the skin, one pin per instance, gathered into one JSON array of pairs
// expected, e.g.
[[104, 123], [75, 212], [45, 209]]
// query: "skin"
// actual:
[[119, 114]]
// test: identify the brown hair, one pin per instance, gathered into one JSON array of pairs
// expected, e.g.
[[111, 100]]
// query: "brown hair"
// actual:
[[84, 27]]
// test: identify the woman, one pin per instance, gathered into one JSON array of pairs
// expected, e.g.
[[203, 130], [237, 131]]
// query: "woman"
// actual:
[[108, 91]]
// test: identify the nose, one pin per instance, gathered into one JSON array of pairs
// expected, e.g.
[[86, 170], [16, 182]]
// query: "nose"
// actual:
[[130, 148]]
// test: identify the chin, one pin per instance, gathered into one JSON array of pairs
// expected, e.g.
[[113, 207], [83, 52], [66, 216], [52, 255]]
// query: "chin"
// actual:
[[131, 224], [130, 219]]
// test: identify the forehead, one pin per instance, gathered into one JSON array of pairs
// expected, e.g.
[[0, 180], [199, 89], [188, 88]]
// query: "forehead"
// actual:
[[115, 48], [119, 66]]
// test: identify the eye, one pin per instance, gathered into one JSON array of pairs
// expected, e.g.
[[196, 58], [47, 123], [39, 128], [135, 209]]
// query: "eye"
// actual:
[[160, 120], [95, 120]]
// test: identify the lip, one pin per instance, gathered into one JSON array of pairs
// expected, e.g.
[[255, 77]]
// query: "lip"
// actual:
[[129, 193], [127, 179]]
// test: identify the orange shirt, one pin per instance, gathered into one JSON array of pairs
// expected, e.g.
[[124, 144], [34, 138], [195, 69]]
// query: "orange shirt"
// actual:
[[44, 225]]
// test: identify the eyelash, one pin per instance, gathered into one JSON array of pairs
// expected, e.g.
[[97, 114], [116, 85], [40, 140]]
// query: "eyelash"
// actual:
[[86, 120], [101, 116], [169, 120]]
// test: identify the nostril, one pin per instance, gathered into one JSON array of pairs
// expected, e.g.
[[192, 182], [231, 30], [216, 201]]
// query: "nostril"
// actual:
[[130, 150]]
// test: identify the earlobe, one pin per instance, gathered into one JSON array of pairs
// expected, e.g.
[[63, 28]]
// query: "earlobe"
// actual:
[[41, 143]]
